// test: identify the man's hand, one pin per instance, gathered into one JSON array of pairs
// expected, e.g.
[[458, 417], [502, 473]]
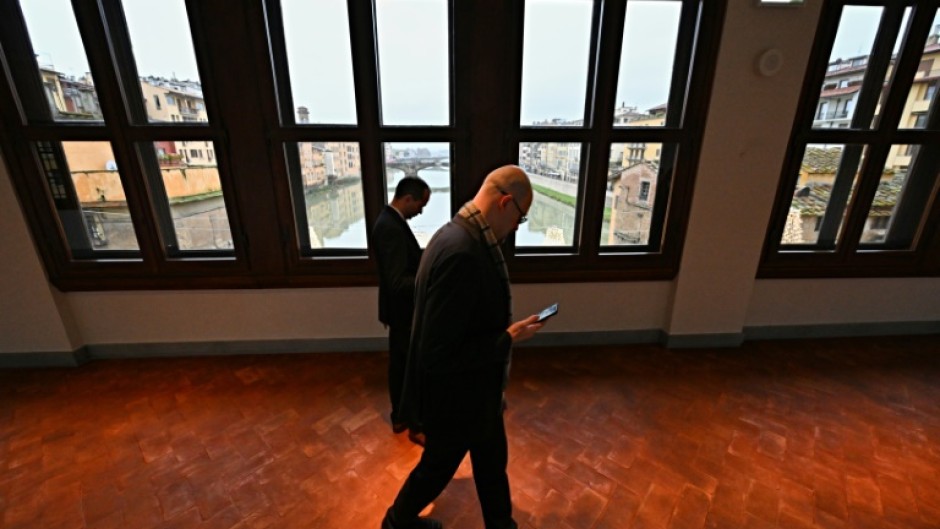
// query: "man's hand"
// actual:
[[522, 330]]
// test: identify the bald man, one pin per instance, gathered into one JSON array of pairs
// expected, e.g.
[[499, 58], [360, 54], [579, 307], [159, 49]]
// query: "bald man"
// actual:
[[459, 358]]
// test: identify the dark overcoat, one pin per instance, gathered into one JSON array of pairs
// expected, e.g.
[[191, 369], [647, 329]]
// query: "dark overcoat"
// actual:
[[459, 344], [397, 254]]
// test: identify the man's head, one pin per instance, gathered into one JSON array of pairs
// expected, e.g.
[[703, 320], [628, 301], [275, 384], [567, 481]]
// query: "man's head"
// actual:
[[504, 199], [411, 195]]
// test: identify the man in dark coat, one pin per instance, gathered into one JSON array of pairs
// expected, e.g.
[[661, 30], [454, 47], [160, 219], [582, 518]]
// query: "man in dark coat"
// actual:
[[397, 254], [459, 359]]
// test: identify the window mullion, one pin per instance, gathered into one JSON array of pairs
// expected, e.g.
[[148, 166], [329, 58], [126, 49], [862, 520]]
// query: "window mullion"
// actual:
[[906, 66], [607, 32], [914, 198], [126, 72], [19, 52], [682, 65], [900, 87], [857, 214], [157, 207], [106, 63], [258, 223], [362, 32], [277, 43], [841, 192], [663, 190], [877, 67]]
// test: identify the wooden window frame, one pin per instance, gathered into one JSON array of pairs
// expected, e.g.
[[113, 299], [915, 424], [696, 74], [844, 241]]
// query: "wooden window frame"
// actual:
[[846, 256], [241, 55]]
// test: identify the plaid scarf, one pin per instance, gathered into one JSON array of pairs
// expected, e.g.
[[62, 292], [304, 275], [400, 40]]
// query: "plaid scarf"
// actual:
[[473, 214]]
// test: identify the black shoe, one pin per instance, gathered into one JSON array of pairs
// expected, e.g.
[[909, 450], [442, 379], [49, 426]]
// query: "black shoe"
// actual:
[[397, 425], [416, 437], [419, 523]]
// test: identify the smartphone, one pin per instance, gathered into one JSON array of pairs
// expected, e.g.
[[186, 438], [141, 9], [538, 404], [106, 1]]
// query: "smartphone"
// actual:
[[549, 311]]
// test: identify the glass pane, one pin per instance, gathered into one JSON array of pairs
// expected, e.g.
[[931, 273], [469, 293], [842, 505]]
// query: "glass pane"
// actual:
[[901, 198], [331, 182], [63, 66], [885, 87], [190, 177], [632, 179], [320, 59], [556, 47], [91, 203], [554, 169], [430, 162], [926, 82], [848, 64], [650, 34], [413, 61], [819, 176], [166, 61]]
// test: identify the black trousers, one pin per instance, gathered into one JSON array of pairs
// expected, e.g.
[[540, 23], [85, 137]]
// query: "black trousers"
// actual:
[[399, 338], [442, 456]]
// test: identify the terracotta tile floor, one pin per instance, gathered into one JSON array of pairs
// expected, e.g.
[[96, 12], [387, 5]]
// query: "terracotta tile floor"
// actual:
[[794, 434]]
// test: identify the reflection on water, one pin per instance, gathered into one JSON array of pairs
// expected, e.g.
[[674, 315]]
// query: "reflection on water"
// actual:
[[336, 217], [551, 223]]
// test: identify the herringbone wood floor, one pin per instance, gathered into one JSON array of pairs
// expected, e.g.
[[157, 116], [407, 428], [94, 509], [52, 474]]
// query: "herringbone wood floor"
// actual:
[[793, 434]]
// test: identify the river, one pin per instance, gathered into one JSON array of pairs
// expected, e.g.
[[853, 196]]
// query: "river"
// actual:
[[551, 223]]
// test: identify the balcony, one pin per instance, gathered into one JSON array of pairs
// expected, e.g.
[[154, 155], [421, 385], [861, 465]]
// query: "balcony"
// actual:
[[832, 115]]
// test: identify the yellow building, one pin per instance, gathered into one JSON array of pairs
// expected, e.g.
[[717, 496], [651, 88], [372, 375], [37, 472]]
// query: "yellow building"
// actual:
[[634, 153], [923, 93]]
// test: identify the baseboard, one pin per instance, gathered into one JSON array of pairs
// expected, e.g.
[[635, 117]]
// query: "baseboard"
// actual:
[[841, 330], [44, 359], [703, 341], [546, 339], [575, 339], [247, 347]]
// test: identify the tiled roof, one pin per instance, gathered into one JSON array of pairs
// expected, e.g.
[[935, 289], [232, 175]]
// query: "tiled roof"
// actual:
[[811, 200], [821, 161]]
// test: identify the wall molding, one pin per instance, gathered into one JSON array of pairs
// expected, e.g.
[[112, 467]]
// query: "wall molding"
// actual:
[[841, 330], [703, 341], [88, 353]]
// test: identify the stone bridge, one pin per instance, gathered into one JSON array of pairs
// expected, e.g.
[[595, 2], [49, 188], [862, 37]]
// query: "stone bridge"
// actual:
[[411, 166]]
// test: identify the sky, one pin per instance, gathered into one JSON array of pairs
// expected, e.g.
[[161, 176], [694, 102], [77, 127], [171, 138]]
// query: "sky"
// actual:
[[413, 45], [162, 44]]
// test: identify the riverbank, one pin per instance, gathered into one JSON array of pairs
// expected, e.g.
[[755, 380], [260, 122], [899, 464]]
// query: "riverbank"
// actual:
[[565, 199]]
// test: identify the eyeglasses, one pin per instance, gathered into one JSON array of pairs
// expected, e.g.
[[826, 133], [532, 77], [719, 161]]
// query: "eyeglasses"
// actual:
[[522, 216]]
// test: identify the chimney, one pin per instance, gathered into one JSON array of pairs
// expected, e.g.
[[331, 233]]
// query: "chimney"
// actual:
[[303, 115], [934, 35]]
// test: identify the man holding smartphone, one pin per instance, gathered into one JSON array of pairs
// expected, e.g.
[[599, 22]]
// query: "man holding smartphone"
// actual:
[[458, 363]]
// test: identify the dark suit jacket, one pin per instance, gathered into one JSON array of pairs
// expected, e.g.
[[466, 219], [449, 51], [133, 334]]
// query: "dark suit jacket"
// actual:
[[397, 254], [459, 344]]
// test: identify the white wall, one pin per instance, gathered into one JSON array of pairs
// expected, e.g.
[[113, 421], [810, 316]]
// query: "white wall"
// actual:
[[715, 292], [30, 316], [781, 302], [745, 143]]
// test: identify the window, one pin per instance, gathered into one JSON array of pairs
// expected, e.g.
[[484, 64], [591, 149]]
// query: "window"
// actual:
[[113, 117], [644, 191], [861, 200], [604, 167], [931, 91]]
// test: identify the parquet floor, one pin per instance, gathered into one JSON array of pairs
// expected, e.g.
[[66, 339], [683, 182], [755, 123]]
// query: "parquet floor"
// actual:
[[792, 434]]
